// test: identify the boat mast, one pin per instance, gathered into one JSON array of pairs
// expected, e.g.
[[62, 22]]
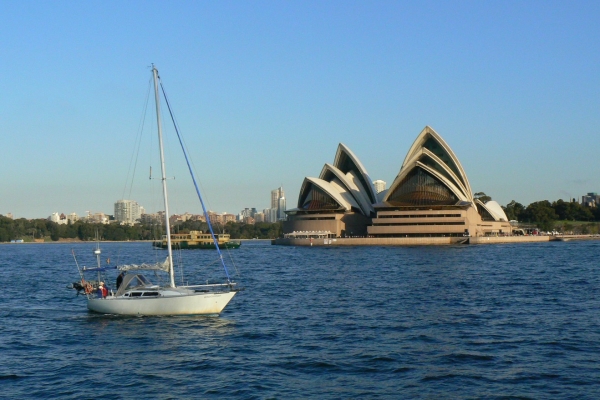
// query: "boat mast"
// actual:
[[164, 175]]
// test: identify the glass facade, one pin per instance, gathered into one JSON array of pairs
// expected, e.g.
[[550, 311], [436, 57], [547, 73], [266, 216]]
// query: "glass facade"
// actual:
[[485, 215], [419, 188], [438, 168], [432, 145], [317, 199]]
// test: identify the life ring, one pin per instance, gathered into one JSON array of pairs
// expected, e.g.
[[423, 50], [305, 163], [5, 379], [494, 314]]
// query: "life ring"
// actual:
[[87, 287]]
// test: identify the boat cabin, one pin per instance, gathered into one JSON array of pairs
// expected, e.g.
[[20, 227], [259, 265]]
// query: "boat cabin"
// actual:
[[137, 285]]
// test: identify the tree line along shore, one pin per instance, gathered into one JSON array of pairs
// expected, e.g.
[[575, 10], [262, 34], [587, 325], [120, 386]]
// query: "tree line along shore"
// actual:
[[43, 230], [561, 216], [568, 217]]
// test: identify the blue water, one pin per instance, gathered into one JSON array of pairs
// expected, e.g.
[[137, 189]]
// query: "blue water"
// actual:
[[490, 321]]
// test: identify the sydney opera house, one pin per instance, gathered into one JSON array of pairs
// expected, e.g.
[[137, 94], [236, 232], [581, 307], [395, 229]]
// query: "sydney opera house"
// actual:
[[430, 198]]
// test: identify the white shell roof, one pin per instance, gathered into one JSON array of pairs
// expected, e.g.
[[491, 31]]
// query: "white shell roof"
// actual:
[[335, 191], [364, 177], [494, 209], [351, 185], [458, 184]]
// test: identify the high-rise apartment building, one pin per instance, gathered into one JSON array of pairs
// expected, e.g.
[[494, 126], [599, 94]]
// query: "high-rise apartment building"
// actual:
[[259, 217], [379, 185], [247, 212], [278, 202], [127, 211], [281, 208], [270, 214], [228, 218], [275, 196], [591, 200]]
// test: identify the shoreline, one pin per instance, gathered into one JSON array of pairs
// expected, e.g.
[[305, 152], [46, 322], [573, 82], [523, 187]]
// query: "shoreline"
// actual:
[[71, 241], [427, 241], [413, 241]]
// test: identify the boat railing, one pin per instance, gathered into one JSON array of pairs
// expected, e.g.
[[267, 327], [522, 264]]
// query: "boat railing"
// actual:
[[209, 285]]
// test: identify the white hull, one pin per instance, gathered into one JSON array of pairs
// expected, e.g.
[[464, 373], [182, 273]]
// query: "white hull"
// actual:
[[192, 304]]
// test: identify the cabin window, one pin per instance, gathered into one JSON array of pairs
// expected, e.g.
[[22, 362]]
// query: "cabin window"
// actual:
[[136, 281]]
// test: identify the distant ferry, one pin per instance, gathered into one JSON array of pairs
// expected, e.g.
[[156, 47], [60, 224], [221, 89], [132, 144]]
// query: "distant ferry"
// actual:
[[197, 240]]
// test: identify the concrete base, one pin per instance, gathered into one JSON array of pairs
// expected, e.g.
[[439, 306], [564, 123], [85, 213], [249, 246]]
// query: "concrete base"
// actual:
[[409, 241], [566, 238], [508, 239]]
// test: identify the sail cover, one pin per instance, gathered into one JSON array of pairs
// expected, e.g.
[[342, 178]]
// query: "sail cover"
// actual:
[[161, 266]]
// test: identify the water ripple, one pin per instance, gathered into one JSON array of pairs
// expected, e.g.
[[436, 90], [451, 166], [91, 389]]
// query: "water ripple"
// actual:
[[492, 322]]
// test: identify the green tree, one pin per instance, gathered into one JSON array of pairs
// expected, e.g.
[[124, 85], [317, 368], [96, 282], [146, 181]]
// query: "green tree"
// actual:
[[542, 214], [185, 227], [514, 211], [562, 209], [484, 198], [596, 212], [85, 231], [584, 214], [4, 235], [70, 231], [54, 232]]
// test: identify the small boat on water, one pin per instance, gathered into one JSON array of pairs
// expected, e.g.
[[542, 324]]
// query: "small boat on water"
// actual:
[[197, 240], [135, 294]]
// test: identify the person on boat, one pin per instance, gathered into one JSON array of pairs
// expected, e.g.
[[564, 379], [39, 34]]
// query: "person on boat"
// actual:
[[120, 279], [102, 290]]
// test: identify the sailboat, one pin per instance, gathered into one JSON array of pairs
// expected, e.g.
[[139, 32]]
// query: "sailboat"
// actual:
[[136, 294]]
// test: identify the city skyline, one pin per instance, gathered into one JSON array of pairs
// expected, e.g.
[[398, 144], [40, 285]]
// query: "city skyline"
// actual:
[[590, 199], [128, 210], [263, 91]]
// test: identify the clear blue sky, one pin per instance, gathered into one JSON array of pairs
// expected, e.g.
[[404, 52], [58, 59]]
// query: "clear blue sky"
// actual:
[[264, 92]]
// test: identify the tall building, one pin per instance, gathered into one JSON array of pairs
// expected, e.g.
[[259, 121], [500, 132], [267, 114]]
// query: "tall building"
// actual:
[[278, 202], [98, 217], [281, 208], [127, 211], [215, 218], [247, 212], [591, 200], [73, 217], [228, 218], [270, 214], [275, 196], [151, 218], [379, 185], [59, 219]]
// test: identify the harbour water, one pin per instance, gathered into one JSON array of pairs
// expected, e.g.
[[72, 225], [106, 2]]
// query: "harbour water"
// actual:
[[478, 321]]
